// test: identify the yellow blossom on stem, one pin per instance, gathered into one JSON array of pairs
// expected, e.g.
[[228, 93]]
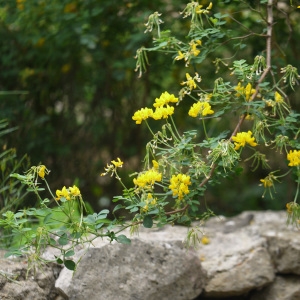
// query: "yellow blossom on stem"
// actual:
[[147, 178], [155, 164], [194, 51], [180, 56], [247, 91], [200, 108], [117, 163], [179, 185], [164, 99], [163, 112], [63, 193], [278, 98], [74, 191], [190, 82], [266, 182], [294, 158], [142, 114], [113, 167], [199, 9], [242, 138], [42, 171], [150, 201]]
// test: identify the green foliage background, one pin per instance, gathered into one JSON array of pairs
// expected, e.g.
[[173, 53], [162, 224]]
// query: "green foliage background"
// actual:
[[75, 60]]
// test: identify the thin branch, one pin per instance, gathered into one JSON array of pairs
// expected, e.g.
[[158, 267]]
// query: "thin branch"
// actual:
[[262, 77]]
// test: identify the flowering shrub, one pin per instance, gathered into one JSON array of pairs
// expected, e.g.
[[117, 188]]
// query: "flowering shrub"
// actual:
[[179, 165]]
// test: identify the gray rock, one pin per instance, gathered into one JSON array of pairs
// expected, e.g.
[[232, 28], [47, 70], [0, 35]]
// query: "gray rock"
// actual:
[[235, 263], [142, 270], [284, 248], [283, 288], [16, 284]]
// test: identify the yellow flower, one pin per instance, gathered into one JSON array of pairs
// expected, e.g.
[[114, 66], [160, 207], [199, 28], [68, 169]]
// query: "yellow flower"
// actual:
[[194, 51], [74, 191], [199, 9], [117, 164], [164, 99], [267, 182], [278, 98], [142, 114], [179, 185], [149, 201], [242, 138], [180, 56], [190, 82], [63, 193], [202, 108], [147, 178], [42, 170], [205, 240], [294, 158], [163, 112], [155, 164], [247, 91]]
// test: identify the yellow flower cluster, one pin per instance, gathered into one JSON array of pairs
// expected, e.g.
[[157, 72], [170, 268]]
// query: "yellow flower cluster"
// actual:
[[242, 138], [150, 201], [294, 158], [179, 185], [194, 51], [199, 9], [200, 108], [147, 178], [162, 109], [68, 193], [247, 91]]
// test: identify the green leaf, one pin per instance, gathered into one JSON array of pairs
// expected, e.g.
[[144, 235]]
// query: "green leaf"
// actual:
[[148, 222], [69, 253], [123, 239], [119, 206], [59, 261], [63, 240], [70, 264]]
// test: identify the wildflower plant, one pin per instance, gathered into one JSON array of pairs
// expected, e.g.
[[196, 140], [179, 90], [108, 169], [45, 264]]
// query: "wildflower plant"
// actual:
[[180, 164]]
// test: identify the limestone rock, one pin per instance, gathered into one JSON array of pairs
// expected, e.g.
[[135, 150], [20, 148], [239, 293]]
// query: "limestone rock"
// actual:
[[15, 285], [283, 288], [235, 263], [142, 270]]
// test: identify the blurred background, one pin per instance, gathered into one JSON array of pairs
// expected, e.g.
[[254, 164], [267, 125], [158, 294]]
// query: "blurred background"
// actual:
[[69, 90]]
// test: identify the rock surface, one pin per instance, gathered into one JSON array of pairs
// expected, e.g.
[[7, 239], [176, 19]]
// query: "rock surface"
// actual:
[[16, 284], [138, 271], [252, 256]]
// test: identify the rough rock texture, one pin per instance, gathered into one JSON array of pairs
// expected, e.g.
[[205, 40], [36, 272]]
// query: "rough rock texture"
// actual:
[[283, 288], [16, 284], [252, 256], [138, 271]]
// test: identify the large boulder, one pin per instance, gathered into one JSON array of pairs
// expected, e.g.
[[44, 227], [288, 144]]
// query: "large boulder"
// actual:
[[143, 270]]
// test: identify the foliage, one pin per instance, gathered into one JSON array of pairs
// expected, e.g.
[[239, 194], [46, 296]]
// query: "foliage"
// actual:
[[11, 193], [75, 59], [183, 161]]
